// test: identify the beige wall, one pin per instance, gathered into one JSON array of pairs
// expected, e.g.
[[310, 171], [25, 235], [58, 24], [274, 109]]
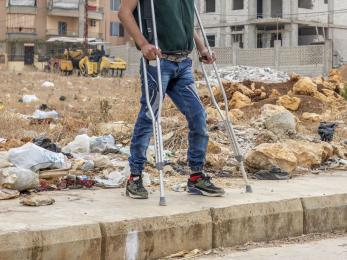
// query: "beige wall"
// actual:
[[72, 24], [2, 20], [111, 16]]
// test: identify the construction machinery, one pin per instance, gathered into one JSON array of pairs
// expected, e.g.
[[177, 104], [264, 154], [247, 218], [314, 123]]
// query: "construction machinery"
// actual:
[[87, 62]]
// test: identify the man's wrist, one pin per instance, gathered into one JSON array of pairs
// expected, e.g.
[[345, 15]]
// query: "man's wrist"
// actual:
[[143, 43]]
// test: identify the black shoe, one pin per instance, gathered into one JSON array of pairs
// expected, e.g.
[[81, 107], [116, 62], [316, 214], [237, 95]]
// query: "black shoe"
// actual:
[[204, 186], [135, 189]]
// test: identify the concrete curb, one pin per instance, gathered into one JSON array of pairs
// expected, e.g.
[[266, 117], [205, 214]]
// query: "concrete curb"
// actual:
[[257, 222], [159, 236], [325, 214], [155, 237], [73, 242]]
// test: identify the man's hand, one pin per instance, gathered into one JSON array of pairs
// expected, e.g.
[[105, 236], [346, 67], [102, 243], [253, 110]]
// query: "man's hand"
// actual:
[[206, 57], [150, 52]]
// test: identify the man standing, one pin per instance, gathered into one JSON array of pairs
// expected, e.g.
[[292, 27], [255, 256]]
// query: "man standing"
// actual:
[[176, 35]]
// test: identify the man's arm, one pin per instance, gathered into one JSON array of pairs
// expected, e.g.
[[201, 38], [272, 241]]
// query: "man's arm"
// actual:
[[203, 51], [127, 18]]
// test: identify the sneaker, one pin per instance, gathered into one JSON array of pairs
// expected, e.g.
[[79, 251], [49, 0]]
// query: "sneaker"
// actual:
[[135, 189], [204, 186]]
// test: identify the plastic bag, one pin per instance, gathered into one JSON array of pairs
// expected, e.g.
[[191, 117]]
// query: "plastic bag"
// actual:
[[81, 144], [29, 99], [39, 114], [101, 144], [33, 157], [19, 179]]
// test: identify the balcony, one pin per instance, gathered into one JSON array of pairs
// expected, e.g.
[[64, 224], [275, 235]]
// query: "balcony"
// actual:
[[20, 33], [63, 8], [96, 13], [55, 32], [16, 9]]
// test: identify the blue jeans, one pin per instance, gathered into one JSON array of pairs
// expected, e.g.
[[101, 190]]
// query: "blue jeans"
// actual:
[[178, 84]]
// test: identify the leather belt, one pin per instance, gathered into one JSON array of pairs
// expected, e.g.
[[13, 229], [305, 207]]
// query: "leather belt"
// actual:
[[175, 57]]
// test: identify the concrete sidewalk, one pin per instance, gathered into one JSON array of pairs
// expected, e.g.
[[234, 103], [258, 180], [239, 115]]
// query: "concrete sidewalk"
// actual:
[[103, 224]]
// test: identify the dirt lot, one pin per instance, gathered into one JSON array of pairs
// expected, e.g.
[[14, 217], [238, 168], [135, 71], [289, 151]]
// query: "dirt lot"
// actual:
[[84, 103]]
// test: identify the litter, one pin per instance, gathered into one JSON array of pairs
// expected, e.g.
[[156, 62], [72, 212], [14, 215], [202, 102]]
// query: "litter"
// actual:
[[37, 201], [274, 174], [6, 194], [47, 144], [33, 157], [47, 84], [39, 114], [18, 179], [103, 144], [27, 99], [326, 131], [81, 144]]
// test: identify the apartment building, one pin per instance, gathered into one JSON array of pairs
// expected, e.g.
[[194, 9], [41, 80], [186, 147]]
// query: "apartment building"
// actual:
[[25, 25], [259, 23]]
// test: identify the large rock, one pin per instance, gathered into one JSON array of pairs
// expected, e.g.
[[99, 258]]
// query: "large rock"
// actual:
[[245, 90], [239, 100], [305, 86], [311, 117], [289, 155], [291, 103], [278, 120]]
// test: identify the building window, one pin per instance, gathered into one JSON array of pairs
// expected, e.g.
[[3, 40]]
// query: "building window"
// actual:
[[325, 1], [116, 29], [237, 4], [62, 28], [307, 4], [210, 6], [92, 23], [211, 40], [114, 5]]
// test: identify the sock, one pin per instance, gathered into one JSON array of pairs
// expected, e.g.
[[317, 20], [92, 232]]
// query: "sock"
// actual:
[[195, 176], [132, 176]]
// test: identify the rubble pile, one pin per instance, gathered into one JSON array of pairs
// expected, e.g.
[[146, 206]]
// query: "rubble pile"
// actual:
[[242, 73]]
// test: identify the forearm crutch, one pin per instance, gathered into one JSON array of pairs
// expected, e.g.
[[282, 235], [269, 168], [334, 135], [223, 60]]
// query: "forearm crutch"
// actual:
[[156, 119], [225, 116]]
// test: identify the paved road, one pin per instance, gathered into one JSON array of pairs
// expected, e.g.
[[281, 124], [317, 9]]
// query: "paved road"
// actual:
[[328, 249]]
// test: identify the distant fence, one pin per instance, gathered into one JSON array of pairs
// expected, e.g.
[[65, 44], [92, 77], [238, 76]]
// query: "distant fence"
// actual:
[[307, 60]]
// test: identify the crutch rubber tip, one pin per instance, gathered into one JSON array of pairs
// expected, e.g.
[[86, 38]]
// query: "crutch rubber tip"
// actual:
[[249, 189], [162, 201]]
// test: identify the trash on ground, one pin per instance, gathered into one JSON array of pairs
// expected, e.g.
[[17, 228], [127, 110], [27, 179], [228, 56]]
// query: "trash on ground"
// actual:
[[39, 114], [27, 99], [33, 157], [326, 131], [81, 144], [274, 173], [47, 84], [18, 179], [47, 144], [103, 144], [6, 194], [37, 201]]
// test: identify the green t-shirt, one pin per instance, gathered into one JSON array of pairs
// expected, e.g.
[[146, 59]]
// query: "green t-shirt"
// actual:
[[175, 25]]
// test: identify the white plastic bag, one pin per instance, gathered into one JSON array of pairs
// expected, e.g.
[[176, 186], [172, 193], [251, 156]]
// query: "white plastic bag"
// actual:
[[33, 157], [99, 144], [29, 99], [81, 144], [4, 162], [47, 84], [39, 114], [18, 179]]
